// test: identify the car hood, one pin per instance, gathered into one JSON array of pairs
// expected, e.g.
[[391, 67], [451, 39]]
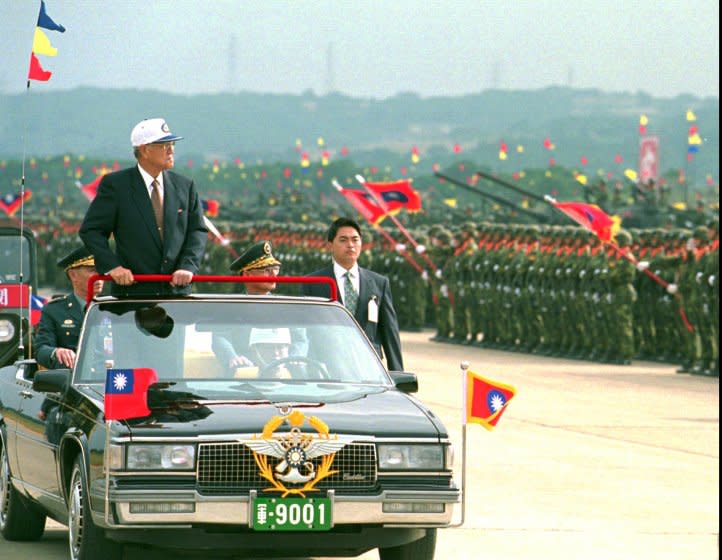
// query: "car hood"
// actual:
[[380, 413]]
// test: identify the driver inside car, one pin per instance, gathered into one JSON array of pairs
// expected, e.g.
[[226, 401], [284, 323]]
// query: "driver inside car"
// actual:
[[269, 346]]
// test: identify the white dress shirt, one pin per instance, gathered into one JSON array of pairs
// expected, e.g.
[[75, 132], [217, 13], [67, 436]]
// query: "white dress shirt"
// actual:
[[148, 179]]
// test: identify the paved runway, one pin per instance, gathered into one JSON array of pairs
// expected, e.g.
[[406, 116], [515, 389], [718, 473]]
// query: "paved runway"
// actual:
[[590, 461]]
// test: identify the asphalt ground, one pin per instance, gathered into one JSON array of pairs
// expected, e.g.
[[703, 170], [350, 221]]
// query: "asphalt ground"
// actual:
[[589, 461]]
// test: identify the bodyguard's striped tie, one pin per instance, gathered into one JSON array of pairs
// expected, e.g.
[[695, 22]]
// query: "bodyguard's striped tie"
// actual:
[[350, 295]]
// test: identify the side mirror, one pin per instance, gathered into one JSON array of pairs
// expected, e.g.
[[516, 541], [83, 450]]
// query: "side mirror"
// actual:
[[29, 368], [51, 381], [404, 381]]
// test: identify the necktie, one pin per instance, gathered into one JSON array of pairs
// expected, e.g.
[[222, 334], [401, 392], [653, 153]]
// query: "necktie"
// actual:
[[350, 296], [157, 207]]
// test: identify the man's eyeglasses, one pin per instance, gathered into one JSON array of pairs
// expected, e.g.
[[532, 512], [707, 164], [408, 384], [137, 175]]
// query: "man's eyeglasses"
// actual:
[[167, 146]]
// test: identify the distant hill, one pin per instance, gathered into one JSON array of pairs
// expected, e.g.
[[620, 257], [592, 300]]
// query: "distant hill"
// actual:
[[250, 126]]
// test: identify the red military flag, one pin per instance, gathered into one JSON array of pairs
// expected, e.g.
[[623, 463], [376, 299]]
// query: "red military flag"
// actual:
[[396, 196], [486, 400], [591, 217], [126, 393], [210, 207], [363, 204]]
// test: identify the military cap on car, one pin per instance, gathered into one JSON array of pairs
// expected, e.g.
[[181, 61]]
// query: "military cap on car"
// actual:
[[79, 257], [258, 255]]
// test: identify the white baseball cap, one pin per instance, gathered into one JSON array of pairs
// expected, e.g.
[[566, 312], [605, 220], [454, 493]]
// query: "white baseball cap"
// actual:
[[151, 131]]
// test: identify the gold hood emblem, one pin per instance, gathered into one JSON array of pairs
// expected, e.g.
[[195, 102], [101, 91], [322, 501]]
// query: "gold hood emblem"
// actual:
[[295, 449]]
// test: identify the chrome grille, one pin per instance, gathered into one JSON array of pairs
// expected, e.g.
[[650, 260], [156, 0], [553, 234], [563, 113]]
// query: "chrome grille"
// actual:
[[229, 468]]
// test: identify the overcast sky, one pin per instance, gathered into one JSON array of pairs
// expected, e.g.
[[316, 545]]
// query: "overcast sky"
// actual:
[[369, 48]]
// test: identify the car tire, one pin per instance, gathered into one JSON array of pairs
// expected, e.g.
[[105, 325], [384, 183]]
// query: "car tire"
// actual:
[[87, 541], [422, 549], [19, 520]]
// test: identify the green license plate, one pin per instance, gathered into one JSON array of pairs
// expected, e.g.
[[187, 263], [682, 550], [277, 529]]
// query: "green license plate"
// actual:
[[292, 514]]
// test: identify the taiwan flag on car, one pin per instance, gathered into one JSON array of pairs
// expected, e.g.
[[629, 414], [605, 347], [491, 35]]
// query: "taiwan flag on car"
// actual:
[[486, 400], [126, 393], [36, 308]]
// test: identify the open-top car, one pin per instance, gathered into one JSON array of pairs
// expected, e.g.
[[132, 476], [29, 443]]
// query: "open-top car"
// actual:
[[263, 415]]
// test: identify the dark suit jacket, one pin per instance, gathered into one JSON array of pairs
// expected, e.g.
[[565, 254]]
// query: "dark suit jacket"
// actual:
[[385, 333], [59, 327], [122, 207]]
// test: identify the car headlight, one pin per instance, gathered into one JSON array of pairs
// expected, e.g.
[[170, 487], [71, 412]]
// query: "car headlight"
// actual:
[[405, 457], [160, 457], [7, 330]]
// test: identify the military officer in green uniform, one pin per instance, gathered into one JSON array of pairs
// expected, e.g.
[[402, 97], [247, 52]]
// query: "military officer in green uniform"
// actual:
[[60, 322]]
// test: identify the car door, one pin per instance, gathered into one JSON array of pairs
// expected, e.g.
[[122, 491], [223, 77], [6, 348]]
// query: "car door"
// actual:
[[11, 397], [38, 429]]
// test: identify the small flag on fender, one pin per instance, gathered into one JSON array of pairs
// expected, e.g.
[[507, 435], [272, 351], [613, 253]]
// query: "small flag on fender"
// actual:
[[486, 400], [126, 393]]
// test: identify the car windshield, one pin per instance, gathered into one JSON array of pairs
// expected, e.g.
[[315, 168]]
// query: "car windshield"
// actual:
[[247, 350], [10, 250]]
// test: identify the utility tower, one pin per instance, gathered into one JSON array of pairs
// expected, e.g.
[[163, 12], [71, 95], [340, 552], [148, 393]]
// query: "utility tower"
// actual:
[[330, 79]]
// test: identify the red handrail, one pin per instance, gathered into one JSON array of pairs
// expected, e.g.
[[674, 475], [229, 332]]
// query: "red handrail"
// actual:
[[224, 280]]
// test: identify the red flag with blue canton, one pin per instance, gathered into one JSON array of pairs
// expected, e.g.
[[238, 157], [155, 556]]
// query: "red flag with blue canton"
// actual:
[[591, 217], [363, 204], [36, 308], [397, 195], [126, 392], [10, 203], [486, 400], [210, 207]]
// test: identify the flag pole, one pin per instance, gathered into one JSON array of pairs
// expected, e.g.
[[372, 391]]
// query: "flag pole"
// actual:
[[419, 248], [223, 241], [464, 368], [21, 344]]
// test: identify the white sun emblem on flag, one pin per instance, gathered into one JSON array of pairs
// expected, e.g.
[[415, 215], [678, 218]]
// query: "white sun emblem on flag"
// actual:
[[119, 382], [496, 401]]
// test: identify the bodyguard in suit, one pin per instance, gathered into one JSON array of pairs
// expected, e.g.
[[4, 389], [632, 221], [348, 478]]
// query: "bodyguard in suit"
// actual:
[[366, 294], [154, 215], [59, 329]]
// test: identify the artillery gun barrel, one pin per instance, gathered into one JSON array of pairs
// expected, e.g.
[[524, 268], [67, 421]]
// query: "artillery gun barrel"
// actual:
[[539, 217], [510, 186]]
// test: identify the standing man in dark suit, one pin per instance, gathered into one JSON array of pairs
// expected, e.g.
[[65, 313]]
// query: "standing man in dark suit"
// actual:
[[154, 215], [59, 329], [366, 294]]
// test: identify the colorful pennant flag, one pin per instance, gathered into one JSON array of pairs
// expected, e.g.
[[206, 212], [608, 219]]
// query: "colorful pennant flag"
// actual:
[[363, 204], [631, 174], [486, 400], [42, 45], [126, 393]]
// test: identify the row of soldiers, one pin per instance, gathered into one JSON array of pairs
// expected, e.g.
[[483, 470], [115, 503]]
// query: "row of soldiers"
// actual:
[[552, 290], [560, 291]]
